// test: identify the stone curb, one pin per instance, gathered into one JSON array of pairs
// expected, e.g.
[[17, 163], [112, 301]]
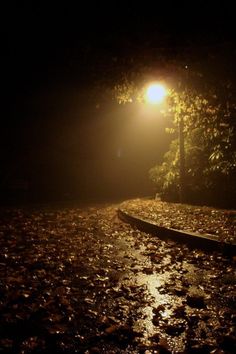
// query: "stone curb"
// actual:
[[193, 240]]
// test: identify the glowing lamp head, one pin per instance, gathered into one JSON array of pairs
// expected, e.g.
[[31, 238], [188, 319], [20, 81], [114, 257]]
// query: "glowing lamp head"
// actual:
[[156, 93]]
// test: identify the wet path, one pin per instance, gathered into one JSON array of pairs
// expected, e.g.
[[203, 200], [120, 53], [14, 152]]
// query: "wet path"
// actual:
[[78, 280]]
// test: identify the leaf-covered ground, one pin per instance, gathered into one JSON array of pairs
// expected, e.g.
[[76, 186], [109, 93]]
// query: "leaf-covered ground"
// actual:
[[78, 280], [200, 219]]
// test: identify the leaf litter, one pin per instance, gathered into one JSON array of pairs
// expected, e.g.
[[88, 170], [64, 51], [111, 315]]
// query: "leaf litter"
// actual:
[[78, 280], [220, 223]]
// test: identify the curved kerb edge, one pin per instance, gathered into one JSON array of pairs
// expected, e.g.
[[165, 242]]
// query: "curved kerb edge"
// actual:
[[189, 238]]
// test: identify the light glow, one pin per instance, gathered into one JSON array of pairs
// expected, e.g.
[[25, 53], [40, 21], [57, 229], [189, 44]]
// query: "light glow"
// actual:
[[156, 93]]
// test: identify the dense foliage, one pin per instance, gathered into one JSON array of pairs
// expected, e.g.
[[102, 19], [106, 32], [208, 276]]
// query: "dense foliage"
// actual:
[[210, 148]]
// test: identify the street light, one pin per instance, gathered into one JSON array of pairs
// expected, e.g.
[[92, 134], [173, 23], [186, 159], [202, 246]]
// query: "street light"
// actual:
[[155, 94]]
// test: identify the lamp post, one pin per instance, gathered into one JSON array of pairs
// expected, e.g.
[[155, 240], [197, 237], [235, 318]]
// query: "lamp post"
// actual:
[[181, 161], [155, 94]]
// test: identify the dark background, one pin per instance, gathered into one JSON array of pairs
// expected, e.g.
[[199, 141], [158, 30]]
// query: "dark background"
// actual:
[[61, 135]]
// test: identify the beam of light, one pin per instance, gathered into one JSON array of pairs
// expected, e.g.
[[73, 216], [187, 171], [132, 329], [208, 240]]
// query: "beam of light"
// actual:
[[156, 93]]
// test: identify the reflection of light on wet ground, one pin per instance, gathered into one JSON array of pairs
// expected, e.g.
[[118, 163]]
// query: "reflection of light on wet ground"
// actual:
[[145, 325], [152, 282], [158, 296]]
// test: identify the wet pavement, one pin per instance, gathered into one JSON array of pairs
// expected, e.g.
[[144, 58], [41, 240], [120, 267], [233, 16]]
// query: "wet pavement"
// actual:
[[79, 280]]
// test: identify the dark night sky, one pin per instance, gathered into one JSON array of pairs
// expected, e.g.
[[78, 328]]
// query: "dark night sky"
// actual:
[[41, 41], [53, 53]]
